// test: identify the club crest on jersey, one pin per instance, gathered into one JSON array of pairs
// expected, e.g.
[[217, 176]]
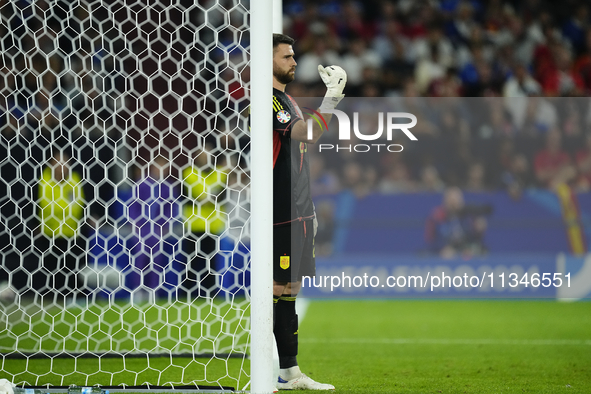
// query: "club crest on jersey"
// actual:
[[284, 262], [283, 116]]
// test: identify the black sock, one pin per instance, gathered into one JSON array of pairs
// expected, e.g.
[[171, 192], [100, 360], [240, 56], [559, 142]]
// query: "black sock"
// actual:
[[286, 332], [275, 300]]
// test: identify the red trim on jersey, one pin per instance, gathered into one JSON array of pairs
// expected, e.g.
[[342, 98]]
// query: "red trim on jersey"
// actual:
[[296, 106], [300, 219], [276, 147], [284, 131]]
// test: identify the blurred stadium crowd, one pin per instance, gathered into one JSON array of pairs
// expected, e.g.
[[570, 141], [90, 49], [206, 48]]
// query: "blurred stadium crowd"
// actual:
[[499, 87], [444, 51]]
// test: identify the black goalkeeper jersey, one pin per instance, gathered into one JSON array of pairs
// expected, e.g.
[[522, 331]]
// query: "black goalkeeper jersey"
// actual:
[[292, 199]]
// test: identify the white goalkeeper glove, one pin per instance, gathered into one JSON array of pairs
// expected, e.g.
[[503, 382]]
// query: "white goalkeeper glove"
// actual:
[[335, 79]]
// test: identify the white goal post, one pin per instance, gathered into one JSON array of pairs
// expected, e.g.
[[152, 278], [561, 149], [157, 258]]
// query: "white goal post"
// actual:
[[262, 216]]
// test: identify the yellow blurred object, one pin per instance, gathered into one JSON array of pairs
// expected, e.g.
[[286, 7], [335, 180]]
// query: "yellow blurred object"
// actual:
[[204, 213], [61, 205], [572, 218]]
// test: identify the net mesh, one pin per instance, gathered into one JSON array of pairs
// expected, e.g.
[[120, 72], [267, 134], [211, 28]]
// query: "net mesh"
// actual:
[[124, 199]]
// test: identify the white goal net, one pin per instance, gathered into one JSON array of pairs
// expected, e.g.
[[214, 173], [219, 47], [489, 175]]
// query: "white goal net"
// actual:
[[124, 240]]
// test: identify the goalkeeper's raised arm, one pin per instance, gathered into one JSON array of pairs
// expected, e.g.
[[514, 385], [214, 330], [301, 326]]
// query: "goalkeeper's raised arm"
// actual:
[[335, 79]]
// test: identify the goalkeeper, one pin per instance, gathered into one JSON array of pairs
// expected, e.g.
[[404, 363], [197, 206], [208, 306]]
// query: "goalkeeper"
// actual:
[[294, 219]]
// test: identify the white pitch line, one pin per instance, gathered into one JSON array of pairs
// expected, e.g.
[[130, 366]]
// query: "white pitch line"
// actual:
[[443, 341]]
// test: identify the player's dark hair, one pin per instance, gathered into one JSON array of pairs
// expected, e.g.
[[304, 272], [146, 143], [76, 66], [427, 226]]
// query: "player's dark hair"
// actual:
[[282, 39]]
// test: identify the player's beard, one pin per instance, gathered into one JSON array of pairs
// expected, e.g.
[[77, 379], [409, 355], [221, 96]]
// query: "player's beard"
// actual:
[[283, 77]]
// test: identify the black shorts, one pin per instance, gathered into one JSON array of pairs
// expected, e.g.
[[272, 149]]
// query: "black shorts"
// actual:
[[293, 251]]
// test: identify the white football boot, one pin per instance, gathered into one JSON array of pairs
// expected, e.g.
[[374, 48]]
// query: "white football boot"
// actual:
[[302, 382]]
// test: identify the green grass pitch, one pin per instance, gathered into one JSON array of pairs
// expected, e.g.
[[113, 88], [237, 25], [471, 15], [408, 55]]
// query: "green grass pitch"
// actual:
[[399, 346], [448, 346]]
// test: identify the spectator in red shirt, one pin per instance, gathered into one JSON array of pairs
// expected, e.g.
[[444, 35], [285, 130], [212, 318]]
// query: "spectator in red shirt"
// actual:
[[552, 164], [583, 63], [560, 80]]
